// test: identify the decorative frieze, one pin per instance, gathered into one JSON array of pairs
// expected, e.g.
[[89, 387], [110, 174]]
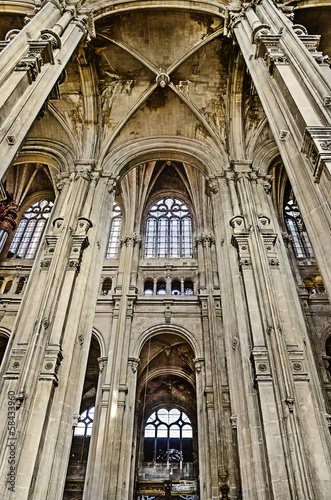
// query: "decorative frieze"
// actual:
[[214, 186]]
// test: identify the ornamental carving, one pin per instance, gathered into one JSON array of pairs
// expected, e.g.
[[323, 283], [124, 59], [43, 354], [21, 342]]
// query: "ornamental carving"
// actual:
[[130, 240], [214, 186], [133, 363], [326, 145], [162, 79], [8, 213]]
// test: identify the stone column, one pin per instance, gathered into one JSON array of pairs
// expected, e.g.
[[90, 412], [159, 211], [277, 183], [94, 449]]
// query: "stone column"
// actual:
[[33, 78], [280, 357], [243, 405], [110, 476], [293, 84], [8, 214], [50, 344]]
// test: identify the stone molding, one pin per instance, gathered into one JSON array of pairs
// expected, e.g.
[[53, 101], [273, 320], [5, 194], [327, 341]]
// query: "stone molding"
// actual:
[[317, 147]]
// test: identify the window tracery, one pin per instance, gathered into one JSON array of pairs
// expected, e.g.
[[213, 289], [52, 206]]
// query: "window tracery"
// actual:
[[300, 241], [168, 437], [168, 230], [115, 232], [29, 231]]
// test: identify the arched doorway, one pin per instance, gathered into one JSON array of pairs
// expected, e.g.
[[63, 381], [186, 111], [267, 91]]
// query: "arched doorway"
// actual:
[[167, 430]]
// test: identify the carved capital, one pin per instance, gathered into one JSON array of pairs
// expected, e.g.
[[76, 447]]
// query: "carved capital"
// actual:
[[130, 240], [133, 363], [111, 185], [198, 364], [102, 362], [214, 186]]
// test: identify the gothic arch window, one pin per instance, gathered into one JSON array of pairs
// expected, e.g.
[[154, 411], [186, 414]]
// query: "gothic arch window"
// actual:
[[30, 229], [168, 229], [300, 241], [168, 437], [115, 232]]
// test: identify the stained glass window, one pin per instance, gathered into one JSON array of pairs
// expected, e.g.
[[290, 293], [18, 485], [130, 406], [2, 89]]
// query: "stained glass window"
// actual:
[[30, 229], [300, 241], [115, 233], [168, 230]]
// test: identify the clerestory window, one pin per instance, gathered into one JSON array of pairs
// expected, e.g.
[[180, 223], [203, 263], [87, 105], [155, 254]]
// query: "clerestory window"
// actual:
[[29, 231], [168, 230], [300, 241], [115, 232]]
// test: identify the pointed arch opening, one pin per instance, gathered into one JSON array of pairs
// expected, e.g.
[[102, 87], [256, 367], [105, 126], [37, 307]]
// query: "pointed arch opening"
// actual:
[[167, 431]]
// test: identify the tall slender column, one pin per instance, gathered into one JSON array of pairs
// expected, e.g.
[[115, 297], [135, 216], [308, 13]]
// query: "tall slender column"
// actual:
[[244, 407], [295, 92], [33, 78], [58, 324], [281, 356]]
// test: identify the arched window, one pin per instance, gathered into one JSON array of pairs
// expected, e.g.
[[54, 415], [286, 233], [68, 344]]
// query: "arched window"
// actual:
[[148, 287], [161, 288], [20, 285], [30, 229], [115, 232], [82, 435], [8, 286], [300, 241], [168, 437], [175, 287], [188, 287], [168, 230]]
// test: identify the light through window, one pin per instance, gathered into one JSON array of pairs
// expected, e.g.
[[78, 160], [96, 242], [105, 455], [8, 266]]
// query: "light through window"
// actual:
[[300, 241], [84, 426], [168, 437], [30, 229], [168, 230], [115, 232]]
